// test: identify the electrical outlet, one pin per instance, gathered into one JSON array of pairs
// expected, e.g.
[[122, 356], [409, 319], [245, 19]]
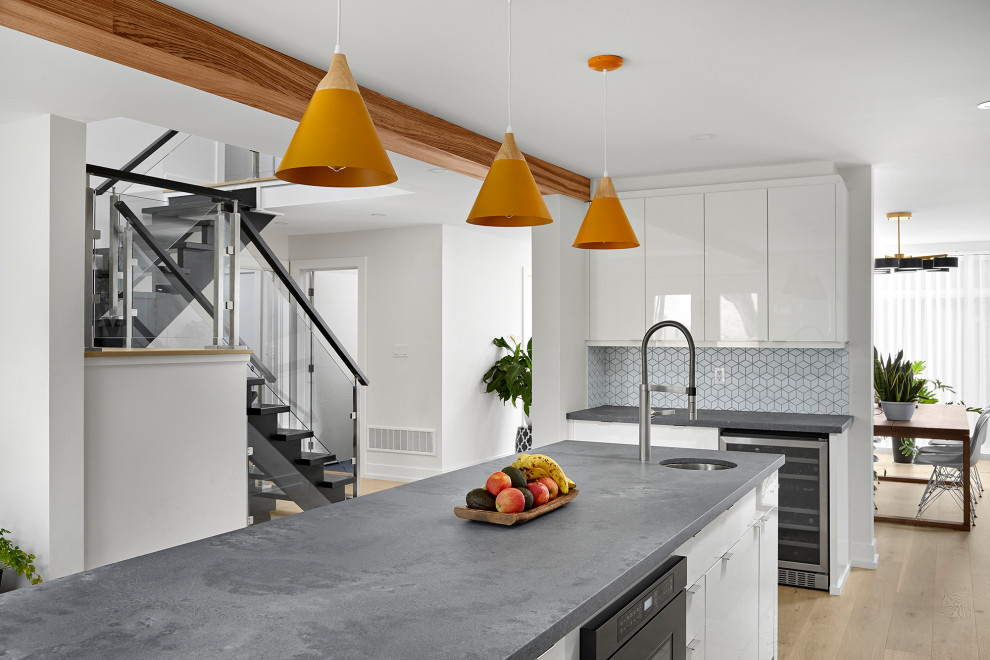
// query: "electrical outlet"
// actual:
[[400, 350], [719, 375]]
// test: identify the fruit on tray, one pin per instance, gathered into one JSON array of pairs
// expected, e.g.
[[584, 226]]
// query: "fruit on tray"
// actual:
[[551, 486], [497, 482], [510, 500], [535, 466], [532, 481], [516, 475], [479, 498], [541, 494]]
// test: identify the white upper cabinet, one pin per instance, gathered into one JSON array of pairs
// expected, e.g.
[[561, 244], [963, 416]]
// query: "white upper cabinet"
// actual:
[[801, 263], [616, 286], [736, 266], [675, 263]]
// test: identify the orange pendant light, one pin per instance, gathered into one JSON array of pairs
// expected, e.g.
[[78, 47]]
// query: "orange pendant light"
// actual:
[[509, 196], [336, 144], [605, 225]]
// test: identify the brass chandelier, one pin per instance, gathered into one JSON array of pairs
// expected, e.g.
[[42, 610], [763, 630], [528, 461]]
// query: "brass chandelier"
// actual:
[[902, 263]]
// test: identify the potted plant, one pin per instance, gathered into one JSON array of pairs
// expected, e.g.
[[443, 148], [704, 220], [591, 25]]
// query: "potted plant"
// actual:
[[16, 559], [511, 377]]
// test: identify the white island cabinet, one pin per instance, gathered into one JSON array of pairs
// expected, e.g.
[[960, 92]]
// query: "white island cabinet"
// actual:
[[731, 592]]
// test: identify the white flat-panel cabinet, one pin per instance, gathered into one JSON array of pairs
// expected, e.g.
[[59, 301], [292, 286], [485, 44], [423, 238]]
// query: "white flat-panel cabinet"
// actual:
[[732, 596], [768, 585], [801, 230], [675, 263], [616, 286], [736, 265]]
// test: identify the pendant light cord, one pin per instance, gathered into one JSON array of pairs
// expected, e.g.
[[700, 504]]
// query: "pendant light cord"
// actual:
[[605, 120], [508, 91], [337, 47]]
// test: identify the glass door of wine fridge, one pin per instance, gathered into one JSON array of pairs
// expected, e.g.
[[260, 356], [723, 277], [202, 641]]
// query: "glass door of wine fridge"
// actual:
[[802, 503]]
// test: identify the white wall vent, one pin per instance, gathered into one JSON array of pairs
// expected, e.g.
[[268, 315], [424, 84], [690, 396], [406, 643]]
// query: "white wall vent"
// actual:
[[402, 440]]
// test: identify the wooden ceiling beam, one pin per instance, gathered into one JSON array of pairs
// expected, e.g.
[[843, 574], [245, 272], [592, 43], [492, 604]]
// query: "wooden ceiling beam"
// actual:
[[165, 42]]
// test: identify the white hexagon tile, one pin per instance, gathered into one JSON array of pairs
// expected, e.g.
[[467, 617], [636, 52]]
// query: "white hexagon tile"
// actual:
[[794, 380]]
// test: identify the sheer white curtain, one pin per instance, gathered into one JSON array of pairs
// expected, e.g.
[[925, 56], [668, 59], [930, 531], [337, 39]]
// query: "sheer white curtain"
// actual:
[[943, 319]]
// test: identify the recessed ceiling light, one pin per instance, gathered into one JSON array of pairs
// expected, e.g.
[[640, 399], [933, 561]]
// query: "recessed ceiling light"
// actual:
[[378, 215], [437, 170], [984, 106], [701, 137]]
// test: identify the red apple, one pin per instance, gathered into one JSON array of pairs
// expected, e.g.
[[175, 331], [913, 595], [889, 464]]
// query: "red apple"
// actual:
[[541, 494], [510, 500], [551, 486], [497, 482]]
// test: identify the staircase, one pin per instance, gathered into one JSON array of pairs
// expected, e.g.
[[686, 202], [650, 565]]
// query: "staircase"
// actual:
[[279, 468], [160, 264]]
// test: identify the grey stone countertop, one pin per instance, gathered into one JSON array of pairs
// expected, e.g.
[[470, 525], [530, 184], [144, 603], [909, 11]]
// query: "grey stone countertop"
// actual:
[[723, 419], [392, 574]]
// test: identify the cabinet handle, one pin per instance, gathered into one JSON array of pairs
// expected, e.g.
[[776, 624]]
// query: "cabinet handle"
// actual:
[[694, 588], [693, 645], [727, 556]]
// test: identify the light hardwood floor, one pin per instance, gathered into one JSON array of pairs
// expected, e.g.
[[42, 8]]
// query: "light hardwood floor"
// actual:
[[366, 487], [930, 597]]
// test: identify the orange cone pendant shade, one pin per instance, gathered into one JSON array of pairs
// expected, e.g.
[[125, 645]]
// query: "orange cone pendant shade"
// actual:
[[335, 144], [509, 196], [605, 225]]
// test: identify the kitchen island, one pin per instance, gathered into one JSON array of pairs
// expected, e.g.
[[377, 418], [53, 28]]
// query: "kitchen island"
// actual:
[[393, 574]]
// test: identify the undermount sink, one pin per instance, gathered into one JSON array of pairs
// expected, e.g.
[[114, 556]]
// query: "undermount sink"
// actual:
[[697, 464]]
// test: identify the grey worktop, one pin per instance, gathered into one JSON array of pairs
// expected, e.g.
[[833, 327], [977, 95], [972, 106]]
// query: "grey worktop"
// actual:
[[391, 574], [723, 419]]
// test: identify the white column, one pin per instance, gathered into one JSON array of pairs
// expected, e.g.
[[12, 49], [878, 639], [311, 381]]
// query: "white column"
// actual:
[[560, 320], [862, 542], [42, 204]]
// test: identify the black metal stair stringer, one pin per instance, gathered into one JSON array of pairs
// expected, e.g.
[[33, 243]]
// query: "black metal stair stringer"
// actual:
[[283, 473]]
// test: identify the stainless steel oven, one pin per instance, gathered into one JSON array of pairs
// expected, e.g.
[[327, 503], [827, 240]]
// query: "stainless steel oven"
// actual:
[[648, 622], [802, 547]]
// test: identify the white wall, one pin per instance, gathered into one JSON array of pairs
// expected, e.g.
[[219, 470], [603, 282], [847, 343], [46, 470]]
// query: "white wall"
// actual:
[[42, 202], [161, 475], [483, 283], [403, 307], [862, 542], [560, 318]]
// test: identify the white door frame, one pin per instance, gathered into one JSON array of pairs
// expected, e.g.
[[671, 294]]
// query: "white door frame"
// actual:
[[300, 269]]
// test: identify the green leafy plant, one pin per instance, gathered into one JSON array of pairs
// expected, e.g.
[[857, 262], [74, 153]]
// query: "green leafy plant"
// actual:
[[13, 557], [894, 379], [511, 377]]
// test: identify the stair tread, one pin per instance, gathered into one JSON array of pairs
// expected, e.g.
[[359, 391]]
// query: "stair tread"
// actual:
[[273, 492], [255, 381], [315, 458], [189, 245], [268, 409], [292, 434], [336, 481]]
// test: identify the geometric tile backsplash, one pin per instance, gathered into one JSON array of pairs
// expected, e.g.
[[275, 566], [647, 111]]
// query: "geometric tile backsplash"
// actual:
[[794, 380]]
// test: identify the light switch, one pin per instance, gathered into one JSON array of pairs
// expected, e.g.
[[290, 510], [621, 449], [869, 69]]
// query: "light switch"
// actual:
[[400, 350]]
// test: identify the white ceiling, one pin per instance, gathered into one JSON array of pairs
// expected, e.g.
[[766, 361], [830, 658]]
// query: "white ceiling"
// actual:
[[893, 83]]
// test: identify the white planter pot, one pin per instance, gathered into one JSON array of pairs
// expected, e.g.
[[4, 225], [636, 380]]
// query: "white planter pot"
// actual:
[[897, 411]]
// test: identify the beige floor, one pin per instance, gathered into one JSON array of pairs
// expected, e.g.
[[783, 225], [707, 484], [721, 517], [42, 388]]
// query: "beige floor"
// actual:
[[365, 487], [930, 597]]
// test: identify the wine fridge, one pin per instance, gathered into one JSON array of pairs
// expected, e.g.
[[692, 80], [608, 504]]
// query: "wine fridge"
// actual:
[[803, 559]]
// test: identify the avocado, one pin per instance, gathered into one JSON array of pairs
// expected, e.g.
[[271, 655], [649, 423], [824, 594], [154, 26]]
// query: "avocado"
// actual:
[[479, 498], [529, 498], [517, 477]]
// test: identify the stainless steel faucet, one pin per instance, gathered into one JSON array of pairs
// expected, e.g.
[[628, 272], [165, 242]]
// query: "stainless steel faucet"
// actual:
[[646, 411]]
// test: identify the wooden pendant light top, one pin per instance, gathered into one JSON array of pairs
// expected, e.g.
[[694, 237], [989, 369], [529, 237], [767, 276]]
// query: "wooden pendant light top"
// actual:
[[509, 150], [606, 188], [339, 76]]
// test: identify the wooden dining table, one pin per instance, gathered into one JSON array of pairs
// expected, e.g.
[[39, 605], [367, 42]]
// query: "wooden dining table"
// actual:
[[934, 421]]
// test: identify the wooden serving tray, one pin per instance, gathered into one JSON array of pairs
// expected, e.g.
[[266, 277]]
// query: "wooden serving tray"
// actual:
[[497, 518]]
